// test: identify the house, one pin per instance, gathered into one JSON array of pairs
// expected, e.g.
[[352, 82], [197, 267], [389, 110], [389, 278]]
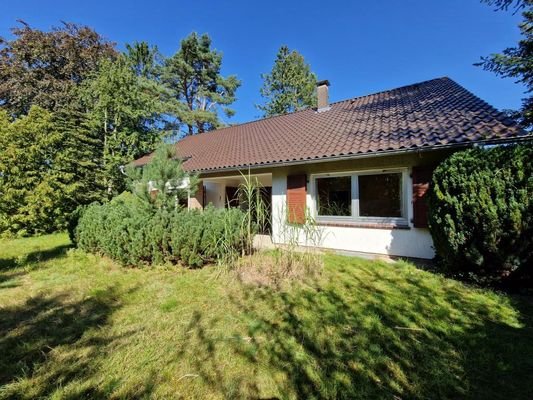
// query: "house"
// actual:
[[359, 167]]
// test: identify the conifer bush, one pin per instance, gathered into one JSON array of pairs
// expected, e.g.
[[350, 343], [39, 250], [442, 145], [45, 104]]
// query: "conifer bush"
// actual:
[[133, 234], [481, 214]]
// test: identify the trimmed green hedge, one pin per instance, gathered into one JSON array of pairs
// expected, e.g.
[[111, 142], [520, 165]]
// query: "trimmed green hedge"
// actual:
[[481, 213], [131, 234]]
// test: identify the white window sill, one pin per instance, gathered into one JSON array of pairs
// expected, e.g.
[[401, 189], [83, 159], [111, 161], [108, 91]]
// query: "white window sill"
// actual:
[[364, 224]]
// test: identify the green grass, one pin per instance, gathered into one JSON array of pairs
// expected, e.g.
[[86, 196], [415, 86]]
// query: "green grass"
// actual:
[[74, 325]]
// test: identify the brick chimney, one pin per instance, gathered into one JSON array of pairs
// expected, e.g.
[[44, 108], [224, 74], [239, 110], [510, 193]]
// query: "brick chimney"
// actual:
[[322, 95]]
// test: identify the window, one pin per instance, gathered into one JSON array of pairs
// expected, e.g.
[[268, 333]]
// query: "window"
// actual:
[[365, 196], [335, 196], [380, 195]]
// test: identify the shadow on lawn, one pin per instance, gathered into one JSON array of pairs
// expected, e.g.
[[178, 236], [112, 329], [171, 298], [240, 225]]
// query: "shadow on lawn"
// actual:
[[9, 277], [51, 342], [34, 256], [371, 336]]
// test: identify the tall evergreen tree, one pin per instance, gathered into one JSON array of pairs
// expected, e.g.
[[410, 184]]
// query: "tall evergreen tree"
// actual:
[[37, 192], [80, 154], [194, 80], [517, 62], [144, 59], [290, 86], [40, 68], [124, 110]]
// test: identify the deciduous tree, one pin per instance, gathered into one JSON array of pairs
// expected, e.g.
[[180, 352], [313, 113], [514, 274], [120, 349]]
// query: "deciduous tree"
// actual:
[[40, 68]]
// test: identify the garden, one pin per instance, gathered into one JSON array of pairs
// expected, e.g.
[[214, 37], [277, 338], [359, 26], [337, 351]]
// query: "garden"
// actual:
[[78, 325], [113, 286], [147, 299]]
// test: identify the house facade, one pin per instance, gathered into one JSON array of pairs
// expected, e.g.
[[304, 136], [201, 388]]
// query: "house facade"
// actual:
[[356, 170]]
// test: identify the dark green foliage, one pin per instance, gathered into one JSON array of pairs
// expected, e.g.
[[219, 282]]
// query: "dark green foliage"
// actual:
[[144, 59], [123, 111], [73, 221], [126, 231], [74, 112], [195, 84], [516, 62], [290, 86], [162, 183], [48, 167], [481, 213]]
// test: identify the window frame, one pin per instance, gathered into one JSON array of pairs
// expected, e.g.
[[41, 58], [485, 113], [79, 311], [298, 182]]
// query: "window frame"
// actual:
[[315, 198], [355, 217]]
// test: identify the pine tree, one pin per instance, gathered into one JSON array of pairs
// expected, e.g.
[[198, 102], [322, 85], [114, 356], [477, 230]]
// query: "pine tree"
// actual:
[[162, 182], [193, 77], [290, 86], [517, 62], [144, 59]]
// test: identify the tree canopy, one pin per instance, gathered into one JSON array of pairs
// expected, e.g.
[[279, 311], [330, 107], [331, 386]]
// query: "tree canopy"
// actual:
[[517, 62], [123, 109], [74, 112], [143, 58], [290, 86], [41, 181], [40, 68], [193, 77]]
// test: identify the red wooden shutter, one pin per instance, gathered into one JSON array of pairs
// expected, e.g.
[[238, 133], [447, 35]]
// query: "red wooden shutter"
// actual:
[[296, 195], [421, 181]]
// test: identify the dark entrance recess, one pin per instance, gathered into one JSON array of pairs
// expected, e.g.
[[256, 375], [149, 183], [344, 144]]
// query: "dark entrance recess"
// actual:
[[233, 200], [232, 197]]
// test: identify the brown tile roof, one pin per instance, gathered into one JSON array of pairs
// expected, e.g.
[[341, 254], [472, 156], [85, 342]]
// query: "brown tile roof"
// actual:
[[434, 113]]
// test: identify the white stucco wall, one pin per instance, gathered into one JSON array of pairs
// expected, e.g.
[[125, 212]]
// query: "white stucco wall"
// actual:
[[412, 242]]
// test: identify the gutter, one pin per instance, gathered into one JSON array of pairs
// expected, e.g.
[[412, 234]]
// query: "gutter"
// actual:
[[365, 155]]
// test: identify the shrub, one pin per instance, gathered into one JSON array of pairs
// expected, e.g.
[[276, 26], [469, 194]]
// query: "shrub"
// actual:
[[73, 221], [481, 215], [132, 234]]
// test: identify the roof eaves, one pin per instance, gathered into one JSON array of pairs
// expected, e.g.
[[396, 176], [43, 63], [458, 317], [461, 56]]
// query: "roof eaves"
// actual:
[[353, 156]]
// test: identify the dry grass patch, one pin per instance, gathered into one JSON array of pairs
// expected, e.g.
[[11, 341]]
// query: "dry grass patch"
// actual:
[[278, 268]]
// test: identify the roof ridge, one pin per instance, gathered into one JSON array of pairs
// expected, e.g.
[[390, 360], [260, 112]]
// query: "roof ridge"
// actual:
[[308, 108], [396, 88]]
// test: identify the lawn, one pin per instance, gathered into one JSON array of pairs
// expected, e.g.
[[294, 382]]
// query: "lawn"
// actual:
[[73, 325]]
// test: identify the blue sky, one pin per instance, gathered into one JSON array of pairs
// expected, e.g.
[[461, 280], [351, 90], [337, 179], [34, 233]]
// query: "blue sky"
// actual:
[[361, 47]]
